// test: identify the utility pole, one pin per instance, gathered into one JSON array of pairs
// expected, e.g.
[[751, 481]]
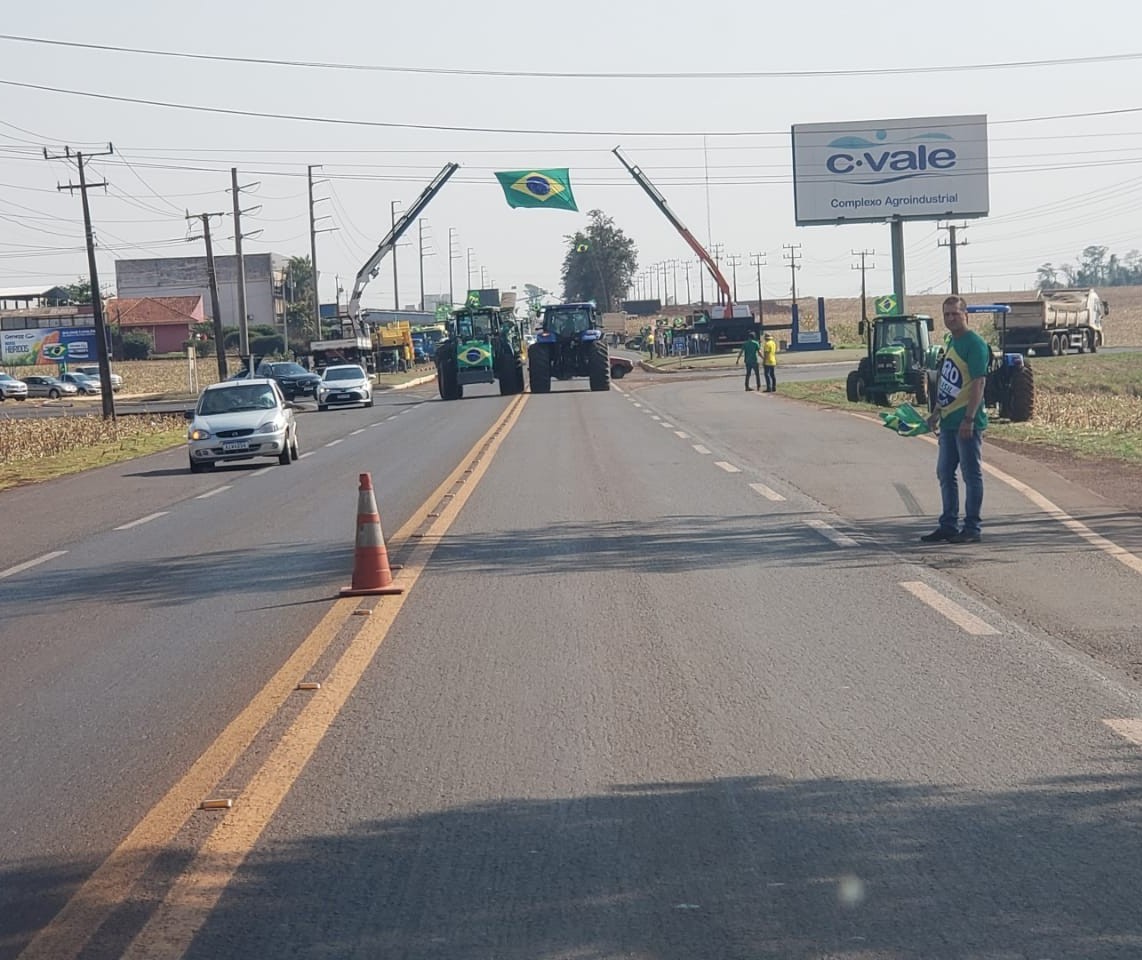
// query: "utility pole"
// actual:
[[686, 268], [101, 345], [863, 254], [243, 319], [674, 271], [469, 290], [951, 245], [733, 262], [212, 278], [396, 294], [420, 233], [791, 254], [313, 231], [453, 254], [702, 283], [758, 260]]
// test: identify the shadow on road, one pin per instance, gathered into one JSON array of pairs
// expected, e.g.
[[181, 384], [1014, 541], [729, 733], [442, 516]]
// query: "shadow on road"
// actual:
[[750, 867]]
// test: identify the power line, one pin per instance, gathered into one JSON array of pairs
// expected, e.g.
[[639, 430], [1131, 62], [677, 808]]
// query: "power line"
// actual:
[[579, 75], [450, 128]]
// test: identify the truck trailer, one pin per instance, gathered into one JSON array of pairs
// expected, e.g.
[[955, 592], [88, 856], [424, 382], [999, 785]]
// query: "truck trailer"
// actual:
[[1056, 322]]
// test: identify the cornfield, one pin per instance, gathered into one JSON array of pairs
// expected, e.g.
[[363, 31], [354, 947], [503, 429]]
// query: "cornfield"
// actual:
[[23, 440]]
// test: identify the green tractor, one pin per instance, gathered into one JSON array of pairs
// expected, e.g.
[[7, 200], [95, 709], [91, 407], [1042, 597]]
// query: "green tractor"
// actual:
[[899, 353], [482, 346]]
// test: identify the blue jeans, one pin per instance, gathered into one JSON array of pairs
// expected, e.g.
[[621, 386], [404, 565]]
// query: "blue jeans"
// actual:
[[752, 368], [965, 454]]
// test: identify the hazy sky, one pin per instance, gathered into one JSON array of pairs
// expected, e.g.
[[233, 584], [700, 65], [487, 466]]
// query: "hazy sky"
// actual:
[[1056, 185]]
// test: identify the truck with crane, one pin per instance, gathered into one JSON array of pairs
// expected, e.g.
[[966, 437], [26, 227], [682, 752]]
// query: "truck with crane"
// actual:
[[357, 343], [728, 325]]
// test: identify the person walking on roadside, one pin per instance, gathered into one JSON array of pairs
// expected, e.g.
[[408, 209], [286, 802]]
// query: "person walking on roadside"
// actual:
[[769, 362], [750, 351], [961, 419]]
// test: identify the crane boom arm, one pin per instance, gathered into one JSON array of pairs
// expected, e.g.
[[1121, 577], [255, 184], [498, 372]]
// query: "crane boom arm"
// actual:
[[369, 270], [660, 201]]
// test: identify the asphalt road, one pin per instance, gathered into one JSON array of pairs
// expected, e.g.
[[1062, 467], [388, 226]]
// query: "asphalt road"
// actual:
[[677, 681]]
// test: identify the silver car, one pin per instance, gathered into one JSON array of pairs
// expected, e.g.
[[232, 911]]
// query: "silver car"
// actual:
[[51, 387], [241, 420], [84, 385], [11, 388], [92, 370], [344, 384]]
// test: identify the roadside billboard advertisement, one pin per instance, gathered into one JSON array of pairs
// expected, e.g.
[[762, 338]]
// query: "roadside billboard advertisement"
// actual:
[[47, 345], [923, 168]]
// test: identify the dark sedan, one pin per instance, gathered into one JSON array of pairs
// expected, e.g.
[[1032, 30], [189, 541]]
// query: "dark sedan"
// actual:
[[293, 378]]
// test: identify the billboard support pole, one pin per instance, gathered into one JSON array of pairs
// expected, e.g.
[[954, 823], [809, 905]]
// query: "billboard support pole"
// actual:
[[898, 263]]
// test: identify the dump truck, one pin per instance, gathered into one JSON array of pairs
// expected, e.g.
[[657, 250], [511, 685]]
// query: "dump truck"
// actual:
[[1056, 322]]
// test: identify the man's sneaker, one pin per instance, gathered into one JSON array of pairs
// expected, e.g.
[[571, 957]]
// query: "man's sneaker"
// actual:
[[940, 535], [964, 537]]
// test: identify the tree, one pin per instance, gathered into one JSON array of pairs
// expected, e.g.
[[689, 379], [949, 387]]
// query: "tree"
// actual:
[[80, 291], [1092, 269], [1048, 277], [137, 345], [599, 263], [300, 298]]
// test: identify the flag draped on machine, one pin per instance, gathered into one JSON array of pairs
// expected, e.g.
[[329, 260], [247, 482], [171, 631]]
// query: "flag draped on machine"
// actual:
[[538, 188]]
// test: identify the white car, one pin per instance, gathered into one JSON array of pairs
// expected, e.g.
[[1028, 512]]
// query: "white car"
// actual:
[[344, 384], [92, 370], [241, 420], [11, 388]]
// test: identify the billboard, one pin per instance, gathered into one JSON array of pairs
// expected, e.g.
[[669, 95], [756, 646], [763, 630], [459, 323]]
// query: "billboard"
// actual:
[[47, 345], [923, 168]]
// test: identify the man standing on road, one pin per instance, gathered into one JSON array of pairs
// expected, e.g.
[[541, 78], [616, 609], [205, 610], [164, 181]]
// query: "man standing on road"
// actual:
[[962, 419], [750, 349], [769, 361]]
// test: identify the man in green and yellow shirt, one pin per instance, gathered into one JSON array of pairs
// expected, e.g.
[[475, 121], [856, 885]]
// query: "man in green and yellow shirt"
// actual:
[[961, 419]]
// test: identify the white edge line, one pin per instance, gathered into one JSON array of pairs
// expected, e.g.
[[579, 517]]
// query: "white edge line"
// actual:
[[304, 455], [700, 449], [28, 564], [727, 466], [766, 492], [260, 473], [1129, 728], [968, 622], [333, 443], [212, 493], [828, 530], [142, 520], [355, 432]]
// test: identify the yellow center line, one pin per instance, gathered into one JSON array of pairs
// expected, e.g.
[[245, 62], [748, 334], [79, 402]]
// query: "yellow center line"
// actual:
[[109, 885], [168, 933]]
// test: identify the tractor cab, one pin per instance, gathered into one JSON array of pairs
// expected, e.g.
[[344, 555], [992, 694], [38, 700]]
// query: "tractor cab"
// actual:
[[898, 350]]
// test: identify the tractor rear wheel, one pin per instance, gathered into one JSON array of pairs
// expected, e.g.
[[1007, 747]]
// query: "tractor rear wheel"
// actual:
[[1020, 405], [599, 366], [447, 381], [539, 367], [852, 387], [921, 388]]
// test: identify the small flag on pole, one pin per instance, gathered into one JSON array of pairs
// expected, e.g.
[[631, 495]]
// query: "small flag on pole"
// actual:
[[538, 188]]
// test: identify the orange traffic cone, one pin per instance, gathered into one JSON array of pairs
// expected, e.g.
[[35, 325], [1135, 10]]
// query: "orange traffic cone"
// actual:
[[371, 572]]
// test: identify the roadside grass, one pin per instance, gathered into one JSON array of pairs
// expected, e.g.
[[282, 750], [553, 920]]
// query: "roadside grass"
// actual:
[[1090, 407], [34, 450]]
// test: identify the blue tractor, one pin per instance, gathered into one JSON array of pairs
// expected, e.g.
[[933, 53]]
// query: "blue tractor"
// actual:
[[569, 343]]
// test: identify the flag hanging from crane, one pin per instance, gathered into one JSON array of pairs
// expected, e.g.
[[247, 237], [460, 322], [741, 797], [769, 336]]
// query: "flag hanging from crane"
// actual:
[[538, 188]]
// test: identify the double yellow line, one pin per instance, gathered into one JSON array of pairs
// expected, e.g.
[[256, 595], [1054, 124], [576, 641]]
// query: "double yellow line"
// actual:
[[171, 927]]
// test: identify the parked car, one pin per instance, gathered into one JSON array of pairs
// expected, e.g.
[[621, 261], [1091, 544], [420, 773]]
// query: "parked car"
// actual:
[[92, 370], [241, 420], [85, 385], [51, 387], [11, 388], [293, 378], [344, 384]]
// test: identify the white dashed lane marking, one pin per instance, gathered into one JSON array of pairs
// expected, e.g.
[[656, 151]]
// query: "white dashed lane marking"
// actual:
[[333, 443], [968, 622], [681, 434], [304, 455], [831, 532], [1129, 729], [28, 564], [669, 426], [212, 493], [142, 520], [727, 466], [767, 492], [700, 449]]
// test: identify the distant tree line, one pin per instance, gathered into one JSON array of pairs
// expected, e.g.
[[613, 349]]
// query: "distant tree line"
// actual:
[[1098, 267]]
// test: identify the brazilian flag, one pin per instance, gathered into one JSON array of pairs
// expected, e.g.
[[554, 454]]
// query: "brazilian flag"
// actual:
[[906, 420], [538, 188]]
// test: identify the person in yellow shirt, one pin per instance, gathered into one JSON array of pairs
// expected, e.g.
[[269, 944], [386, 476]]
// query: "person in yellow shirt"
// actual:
[[769, 363]]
